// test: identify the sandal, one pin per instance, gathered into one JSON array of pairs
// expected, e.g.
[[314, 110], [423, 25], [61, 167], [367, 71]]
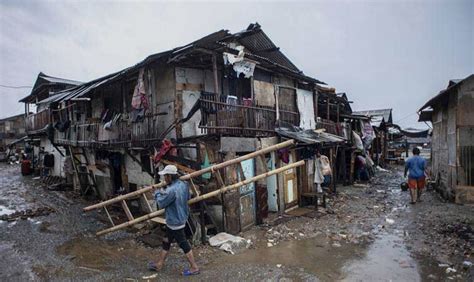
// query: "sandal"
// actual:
[[188, 272]]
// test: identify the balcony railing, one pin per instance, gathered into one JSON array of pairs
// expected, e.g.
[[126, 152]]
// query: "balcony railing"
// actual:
[[38, 121], [240, 117], [121, 133]]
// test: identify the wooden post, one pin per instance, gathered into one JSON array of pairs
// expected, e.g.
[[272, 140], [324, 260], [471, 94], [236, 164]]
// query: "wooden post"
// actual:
[[328, 116], [316, 104], [214, 70], [203, 197], [277, 107]]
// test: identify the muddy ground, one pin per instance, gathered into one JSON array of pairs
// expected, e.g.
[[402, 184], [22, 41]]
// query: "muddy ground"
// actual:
[[367, 233]]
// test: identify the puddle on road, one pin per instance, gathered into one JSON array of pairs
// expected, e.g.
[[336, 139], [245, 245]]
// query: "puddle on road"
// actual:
[[315, 255], [99, 254], [387, 259]]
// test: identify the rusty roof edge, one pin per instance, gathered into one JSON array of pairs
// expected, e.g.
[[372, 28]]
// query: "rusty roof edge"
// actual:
[[442, 93]]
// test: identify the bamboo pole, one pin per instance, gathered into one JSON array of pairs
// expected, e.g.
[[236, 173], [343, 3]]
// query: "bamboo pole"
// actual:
[[203, 197], [193, 174]]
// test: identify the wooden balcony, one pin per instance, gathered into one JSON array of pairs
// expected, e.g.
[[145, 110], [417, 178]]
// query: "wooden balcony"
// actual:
[[38, 122], [120, 134], [240, 117]]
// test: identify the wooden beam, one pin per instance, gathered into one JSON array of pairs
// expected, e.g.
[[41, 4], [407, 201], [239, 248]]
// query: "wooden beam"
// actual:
[[127, 210], [214, 71]]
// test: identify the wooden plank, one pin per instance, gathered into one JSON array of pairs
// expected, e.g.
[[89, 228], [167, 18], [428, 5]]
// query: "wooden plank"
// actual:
[[195, 189], [241, 171], [219, 178], [147, 203], [108, 215], [127, 210], [263, 162]]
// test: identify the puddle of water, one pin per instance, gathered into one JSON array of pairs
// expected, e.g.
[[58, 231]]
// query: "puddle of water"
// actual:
[[315, 255], [387, 259], [103, 255]]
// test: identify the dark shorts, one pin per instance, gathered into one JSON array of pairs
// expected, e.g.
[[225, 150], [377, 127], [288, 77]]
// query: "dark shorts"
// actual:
[[176, 235]]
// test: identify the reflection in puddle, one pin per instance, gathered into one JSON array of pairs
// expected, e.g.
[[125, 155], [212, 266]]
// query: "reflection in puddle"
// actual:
[[387, 259]]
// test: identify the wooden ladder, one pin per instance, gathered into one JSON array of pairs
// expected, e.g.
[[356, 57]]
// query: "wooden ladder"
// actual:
[[215, 170], [90, 181]]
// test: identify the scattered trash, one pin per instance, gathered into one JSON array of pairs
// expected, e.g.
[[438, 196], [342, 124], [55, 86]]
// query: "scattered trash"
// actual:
[[336, 244], [389, 221], [278, 265], [25, 214], [443, 265], [269, 245], [228, 242], [227, 248], [381, 169], [467, 264], [450, 269], [151, 276]]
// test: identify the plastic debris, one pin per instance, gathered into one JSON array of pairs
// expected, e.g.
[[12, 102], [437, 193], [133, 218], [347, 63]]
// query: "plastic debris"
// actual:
[[389, 221], [450, 269]]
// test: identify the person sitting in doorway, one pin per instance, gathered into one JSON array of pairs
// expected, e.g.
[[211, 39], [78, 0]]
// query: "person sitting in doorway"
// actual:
[[415, 166], [174, 199]]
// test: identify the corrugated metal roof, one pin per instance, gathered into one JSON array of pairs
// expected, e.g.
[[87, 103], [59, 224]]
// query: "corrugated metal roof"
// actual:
[[257, 43], [307, 136], [453, 84], [59, 80], [43, 81], [377, 115]]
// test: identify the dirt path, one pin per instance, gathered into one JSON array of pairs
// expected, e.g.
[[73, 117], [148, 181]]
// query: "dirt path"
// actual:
[[367, 234]]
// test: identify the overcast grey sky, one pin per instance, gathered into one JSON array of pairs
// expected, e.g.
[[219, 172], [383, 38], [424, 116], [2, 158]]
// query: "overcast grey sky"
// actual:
[[383, 54]]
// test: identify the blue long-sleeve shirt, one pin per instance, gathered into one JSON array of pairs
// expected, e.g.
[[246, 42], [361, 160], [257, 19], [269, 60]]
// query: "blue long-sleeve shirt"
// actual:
[[174, 199]]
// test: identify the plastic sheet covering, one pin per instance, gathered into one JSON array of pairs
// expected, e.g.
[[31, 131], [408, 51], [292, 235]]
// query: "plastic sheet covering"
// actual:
[[304, 99]]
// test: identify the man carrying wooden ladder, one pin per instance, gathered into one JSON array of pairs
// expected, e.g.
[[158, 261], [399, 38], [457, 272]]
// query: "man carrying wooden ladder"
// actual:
[[174, 199]]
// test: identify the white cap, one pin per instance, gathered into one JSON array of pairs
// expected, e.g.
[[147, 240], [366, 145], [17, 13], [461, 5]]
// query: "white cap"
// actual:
[[169, 169]]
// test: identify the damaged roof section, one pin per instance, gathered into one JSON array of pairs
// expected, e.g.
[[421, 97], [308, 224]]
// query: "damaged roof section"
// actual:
[[46, 82], [307, 136], [257, 47], [377, 117]]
